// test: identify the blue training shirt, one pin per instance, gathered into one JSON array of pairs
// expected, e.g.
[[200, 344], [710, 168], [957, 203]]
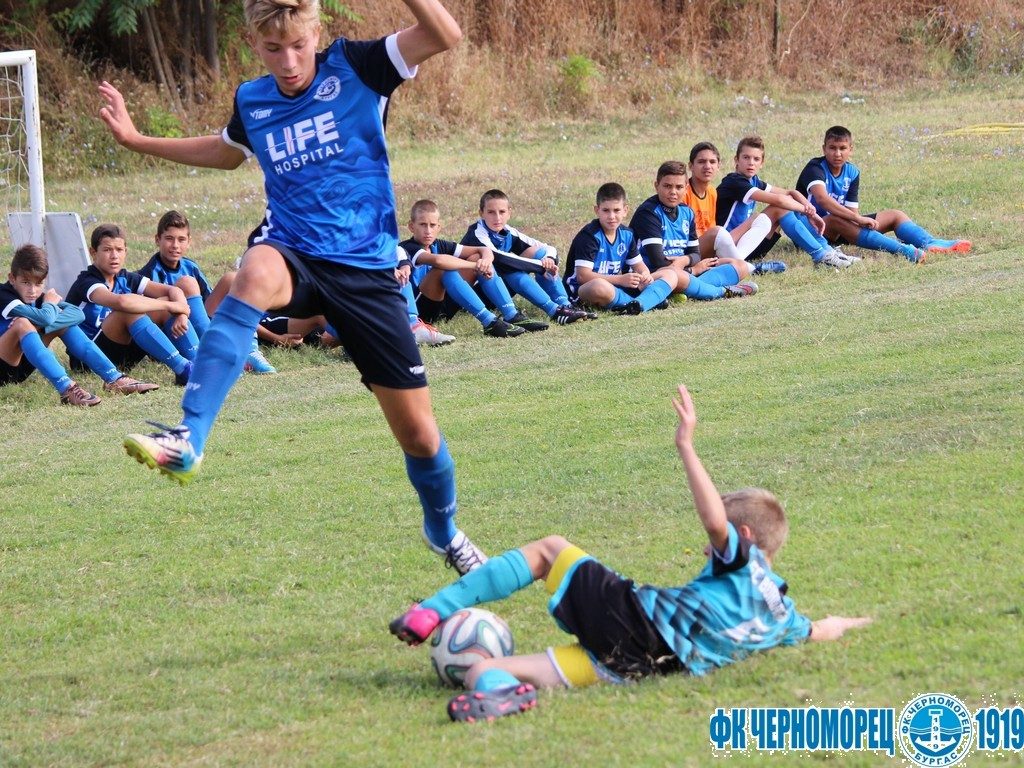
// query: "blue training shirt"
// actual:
[[735, 199], [737, 605], [675, 230], [817, 178], [323, 154], [158, 272], [88, 281], [592, 249]]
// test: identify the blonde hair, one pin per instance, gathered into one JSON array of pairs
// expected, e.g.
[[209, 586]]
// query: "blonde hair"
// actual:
[[762, 513], [281, 16], [423, 206]]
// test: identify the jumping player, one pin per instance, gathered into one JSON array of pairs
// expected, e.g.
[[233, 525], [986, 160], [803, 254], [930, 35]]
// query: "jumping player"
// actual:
[[316, 126]]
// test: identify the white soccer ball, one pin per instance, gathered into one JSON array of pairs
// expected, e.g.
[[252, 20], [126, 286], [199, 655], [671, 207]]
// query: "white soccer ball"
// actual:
[[466, 637]]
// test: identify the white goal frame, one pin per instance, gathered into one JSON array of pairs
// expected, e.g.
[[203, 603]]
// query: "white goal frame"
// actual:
[[26, 61]]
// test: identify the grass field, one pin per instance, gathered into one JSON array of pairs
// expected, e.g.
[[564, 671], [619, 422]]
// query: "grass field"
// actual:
[[242, 620]]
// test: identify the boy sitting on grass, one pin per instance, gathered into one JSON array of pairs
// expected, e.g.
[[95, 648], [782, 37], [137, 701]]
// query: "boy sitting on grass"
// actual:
[[604, 268], [735, 607], [31, 316], [832, 183]]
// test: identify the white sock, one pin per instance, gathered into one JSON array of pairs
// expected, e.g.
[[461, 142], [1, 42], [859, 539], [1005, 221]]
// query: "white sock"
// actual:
[[725, 248], [760, 228]]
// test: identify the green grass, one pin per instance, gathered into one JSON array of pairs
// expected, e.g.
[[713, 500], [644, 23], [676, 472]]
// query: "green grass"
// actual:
[[242, 620]]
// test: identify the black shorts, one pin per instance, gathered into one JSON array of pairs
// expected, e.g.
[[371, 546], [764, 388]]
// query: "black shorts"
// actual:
[[123, 356], [15, 374], [601, 609], [367, 309], [279, 325], [764, 247], [431, 311]]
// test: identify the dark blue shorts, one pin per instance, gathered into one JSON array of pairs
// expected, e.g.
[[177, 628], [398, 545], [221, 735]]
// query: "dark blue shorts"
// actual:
[[843, 240], [367, 309], [123, 356], [15, 374]]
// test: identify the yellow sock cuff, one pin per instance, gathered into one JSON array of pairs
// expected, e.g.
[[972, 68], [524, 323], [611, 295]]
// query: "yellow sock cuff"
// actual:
[[565, 561]]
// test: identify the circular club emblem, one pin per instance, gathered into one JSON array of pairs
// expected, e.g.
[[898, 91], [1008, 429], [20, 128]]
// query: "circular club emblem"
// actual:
[[328, 89], [935, 729]]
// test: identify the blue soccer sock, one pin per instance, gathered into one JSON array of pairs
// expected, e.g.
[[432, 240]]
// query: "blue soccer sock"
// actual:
[[620, 299], [654, 294], [464, 295], [81, 346], [524, 284], [222, 354], [555, 288], [798, 229], [496, 291], [187, 344], [698, 289], [912, 233], [494, 679], [156, 344], [410, 303], [722, 275], [496, 579], [434, 481], [45, 362], [198, 317], [876, 241]]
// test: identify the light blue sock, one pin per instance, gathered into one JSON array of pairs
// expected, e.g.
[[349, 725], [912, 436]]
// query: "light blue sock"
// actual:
[[496, 579], [876, 241], [806, 238], [555, 288], [698, 289], [464, 295], [156, 344], [434, 481], [494, 679], [81, 346], [621, 298], [496, 291], [45, 362], [198, 317], [222, 354], [187, 344], [524, 284], [722, 275], [654, 294], [909, 232], [410, 302]]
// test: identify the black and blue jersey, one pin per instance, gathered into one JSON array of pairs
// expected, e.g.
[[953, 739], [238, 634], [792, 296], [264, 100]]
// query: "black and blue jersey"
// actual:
[[591, 249], [88, 281], [158, 272], [736, 199], [817, 179], [410, 248], [672, 230]]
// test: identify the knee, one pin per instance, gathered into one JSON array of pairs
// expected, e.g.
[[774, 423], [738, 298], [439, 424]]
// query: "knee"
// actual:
[[541, 554], [188, 285], [421, 439], [22, 327]]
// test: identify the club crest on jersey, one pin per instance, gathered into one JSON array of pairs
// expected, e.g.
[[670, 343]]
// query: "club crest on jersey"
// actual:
[[620, 249], [328, 89]]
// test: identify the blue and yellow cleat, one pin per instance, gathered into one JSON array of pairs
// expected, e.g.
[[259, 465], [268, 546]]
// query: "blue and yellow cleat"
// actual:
[[168, 450]]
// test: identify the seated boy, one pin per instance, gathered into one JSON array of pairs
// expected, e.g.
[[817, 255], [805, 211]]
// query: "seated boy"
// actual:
[[787, 209], [534, 275], [832, 183], [604, 268], [736, 606], [666, 234], [438, 268], [31, 316], [128, 315]]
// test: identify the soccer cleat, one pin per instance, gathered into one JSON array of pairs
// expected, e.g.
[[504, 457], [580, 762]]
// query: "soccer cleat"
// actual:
[[473, 706], [833, 258], [740, 290], [460, 553], [915, 255], [75, 395], [168, 450], [663, 304], [256, 362], [579, 306], [425, 333], [126, 385], [415, 625], [500, 329], [949, 246], [764, 267], [849, 257], [632, 308], [522, 321], [181, 379], [566, 315]]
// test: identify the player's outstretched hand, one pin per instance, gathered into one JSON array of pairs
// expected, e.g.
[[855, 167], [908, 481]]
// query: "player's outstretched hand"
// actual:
[[833, 627], [115, 114], [687, 417]]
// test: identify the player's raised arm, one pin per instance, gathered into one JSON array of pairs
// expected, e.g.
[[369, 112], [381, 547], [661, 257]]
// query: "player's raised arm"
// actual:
[[434, 31], [203, 151], [705, 496]]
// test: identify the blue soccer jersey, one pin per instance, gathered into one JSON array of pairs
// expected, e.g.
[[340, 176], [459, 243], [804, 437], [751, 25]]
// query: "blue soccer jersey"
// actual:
[[91, 279], [9, 302], [158, 272], [510, 240], [674, 230], [817, 180], [736, 606], [410, 248], [735, 199], [591, 249], [323, 154]]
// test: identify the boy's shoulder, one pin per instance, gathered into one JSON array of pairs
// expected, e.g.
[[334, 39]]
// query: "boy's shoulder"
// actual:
[[9, 298]]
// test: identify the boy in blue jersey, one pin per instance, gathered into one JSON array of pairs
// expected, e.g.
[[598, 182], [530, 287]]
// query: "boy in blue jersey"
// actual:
[[31, 316], [436, 269], [604, 267], [130, 316], [736, 606], [832, 183], [708, 266], [533, 275], [316, 126], [787, 209]]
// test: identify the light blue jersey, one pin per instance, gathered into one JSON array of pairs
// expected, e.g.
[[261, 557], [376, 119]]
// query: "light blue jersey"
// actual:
[[736, 606], [817, 179], [158, 272]]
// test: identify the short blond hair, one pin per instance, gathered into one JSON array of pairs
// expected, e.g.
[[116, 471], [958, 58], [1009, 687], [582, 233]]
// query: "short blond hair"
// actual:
[[281, 16], [423, 206], [762, 513]]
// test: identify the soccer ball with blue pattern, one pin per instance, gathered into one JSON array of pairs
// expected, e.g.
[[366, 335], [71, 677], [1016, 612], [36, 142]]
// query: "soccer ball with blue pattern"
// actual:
[[466, 637]]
